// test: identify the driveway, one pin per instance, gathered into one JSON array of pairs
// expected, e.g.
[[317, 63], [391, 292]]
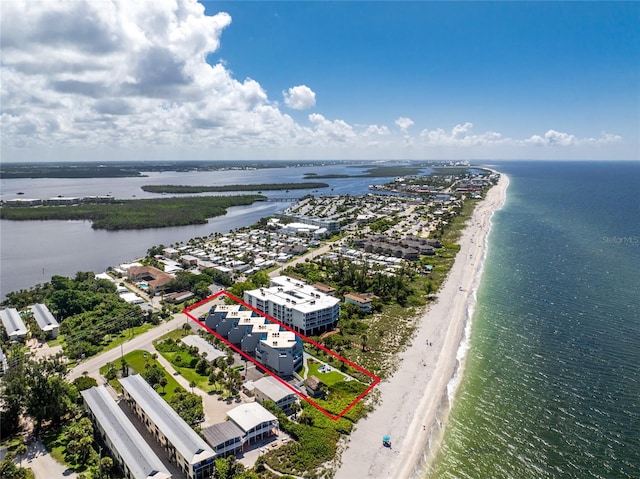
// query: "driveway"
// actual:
[[43, 465]]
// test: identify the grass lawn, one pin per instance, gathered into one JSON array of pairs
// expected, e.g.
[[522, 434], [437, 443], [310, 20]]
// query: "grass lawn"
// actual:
[[202, 382], [329, 378], [125, 336], [137, 361], [190, 374]]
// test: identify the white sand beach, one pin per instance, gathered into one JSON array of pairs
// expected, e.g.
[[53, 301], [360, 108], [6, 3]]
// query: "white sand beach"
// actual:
[[412, 399]]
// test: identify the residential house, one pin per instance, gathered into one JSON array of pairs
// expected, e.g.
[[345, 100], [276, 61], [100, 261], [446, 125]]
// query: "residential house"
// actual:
[[155, 278], [362, 301], [269, 388], [314, 387]]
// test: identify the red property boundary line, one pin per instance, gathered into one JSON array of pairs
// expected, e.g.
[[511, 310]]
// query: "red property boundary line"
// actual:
[[375, 378]]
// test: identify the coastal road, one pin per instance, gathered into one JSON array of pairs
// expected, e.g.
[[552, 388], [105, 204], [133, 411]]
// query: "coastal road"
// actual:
[[145, 341]]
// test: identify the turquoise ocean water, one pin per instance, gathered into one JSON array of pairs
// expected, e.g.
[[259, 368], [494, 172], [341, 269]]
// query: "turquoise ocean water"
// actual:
[[551, 382]]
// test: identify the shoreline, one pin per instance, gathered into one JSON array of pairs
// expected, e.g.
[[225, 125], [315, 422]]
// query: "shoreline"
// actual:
[[412, 399]]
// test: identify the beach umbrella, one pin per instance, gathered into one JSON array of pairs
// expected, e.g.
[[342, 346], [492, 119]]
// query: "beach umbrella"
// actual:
[[386, 438]]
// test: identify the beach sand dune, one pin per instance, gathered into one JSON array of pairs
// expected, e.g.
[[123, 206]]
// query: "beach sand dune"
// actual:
[[410, 408]]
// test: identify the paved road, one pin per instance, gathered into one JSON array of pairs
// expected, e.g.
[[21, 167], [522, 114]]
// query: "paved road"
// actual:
[[145, 341]]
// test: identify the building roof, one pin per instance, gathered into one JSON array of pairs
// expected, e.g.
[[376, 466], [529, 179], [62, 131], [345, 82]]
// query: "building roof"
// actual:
[[13, 324], [324, 288], [191, 446], [250, 415], [132, 448], [203, 346], [222, 432], [160, 278], [295, 294], [280, 339], [313, 382], [43, 317], [357, 297], [272, 388]]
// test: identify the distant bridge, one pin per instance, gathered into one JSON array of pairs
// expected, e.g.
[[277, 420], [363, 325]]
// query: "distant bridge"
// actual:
[[283, 199]]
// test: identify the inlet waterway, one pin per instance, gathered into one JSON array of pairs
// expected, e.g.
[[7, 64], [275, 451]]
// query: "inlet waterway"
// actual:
[[33, 251]]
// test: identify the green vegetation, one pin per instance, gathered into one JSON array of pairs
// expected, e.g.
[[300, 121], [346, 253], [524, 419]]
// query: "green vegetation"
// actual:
[[329, 378], [376, 172], [316, 436], [185, 189], [36, 388], [42, 170], [92, 316], [186, 404], [16, 448], [135, 214], [219, 376]]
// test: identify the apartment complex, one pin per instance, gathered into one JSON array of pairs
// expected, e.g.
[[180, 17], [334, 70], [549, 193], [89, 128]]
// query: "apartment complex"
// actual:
[[46, 321], [127, 446], [14, 327], [182, 444], [300, 306], [276, 348]]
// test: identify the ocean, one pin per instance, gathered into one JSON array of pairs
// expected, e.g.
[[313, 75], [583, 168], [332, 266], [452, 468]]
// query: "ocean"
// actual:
[[550, 384]]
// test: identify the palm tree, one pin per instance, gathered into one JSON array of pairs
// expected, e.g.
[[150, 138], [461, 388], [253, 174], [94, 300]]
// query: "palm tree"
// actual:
[[163, 383], [20, 450]]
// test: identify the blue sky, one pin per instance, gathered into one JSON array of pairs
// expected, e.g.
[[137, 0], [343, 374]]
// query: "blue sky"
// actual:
[[424, 80]]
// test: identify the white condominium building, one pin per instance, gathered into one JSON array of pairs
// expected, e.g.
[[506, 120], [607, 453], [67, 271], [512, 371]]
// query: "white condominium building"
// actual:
[[296, 304], [273, 346]]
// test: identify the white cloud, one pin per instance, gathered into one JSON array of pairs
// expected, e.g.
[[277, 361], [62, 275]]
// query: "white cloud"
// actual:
[[83, 76], [461, 136], [375, 130], [404, 123], [558, 138], [299, 97], [336, 130]]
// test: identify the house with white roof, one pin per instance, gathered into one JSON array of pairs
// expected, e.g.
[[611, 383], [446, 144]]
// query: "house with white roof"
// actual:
[[269, 388], [247, 423], [46, 321], [255, 421], [127, 446], [13, 324], [183, 445]]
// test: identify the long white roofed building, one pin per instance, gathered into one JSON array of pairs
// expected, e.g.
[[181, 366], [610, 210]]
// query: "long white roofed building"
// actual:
[[183, 445], [296, 304], [44, 318], [13, 324], [127, 446]]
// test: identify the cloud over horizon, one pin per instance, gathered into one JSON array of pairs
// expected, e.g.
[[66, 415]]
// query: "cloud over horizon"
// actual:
[[133, 76], [299, 97]]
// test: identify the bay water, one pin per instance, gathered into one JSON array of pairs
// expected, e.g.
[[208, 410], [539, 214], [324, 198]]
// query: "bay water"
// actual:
[[33, 251]]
